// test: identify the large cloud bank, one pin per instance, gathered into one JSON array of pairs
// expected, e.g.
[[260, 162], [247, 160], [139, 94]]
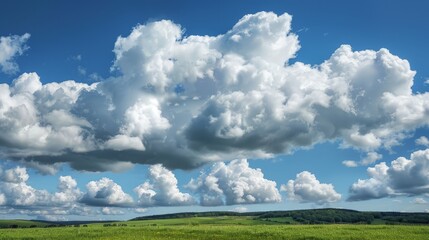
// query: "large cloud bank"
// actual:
[[183, 101], [233, 183]]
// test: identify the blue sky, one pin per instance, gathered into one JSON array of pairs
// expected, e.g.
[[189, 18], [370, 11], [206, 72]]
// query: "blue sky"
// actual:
[[327, 99]]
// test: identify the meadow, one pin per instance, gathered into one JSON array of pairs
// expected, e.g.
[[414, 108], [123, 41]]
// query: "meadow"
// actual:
[[224, 227]]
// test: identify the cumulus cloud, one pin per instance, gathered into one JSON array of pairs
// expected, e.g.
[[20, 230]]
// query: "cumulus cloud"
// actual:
[[161, 189], [307, 189], [35, 118], [18, 197], [234, 183], [402, 177], [186, 100], [105, 192], [370, 158], [16, 191], [68, 193], [10, 48]]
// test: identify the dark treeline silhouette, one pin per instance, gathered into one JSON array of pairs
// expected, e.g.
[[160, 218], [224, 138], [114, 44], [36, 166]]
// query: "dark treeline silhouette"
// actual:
[[313, 216]]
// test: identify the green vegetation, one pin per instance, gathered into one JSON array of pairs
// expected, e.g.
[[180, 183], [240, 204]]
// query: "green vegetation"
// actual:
[[229, 225], [219, 228]]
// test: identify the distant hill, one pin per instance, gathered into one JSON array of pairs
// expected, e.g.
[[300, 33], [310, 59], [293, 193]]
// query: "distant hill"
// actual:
[[312, 216], [16, 223], [21, 224]]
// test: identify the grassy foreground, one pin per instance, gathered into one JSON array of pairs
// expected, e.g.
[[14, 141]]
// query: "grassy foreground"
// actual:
[[219, 228]]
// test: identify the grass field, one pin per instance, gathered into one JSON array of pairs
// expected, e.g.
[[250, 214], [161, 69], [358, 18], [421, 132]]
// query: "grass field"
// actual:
[[219, 228]]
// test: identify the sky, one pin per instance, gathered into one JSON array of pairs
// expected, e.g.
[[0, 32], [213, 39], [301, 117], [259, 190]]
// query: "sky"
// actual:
[[121, 109]]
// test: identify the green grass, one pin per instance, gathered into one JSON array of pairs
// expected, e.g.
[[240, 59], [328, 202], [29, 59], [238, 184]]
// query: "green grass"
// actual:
[[223, 232], [221, 228], [280, 220], [223, 220]]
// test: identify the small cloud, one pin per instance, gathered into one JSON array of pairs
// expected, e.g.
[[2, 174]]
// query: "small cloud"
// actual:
[[77, 57], [370, 158], [423, 141], [95, 77], [350, 163], [10, 48], [140, 210], [427, 81], [304, 29], [240, 209], [419, 201], [81, 70], [111, 211]]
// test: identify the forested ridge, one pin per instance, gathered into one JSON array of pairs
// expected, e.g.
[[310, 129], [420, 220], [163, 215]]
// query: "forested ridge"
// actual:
[[312, 216]]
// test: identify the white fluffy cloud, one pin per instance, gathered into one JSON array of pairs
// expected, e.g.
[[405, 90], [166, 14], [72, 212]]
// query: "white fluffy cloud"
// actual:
[[307, 189], [161, 189], [68, 193], [10, 48], [105, 192], [234, 183], [402, 177], [36, 119], [183, 101], [16, 191], [18, 197]]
